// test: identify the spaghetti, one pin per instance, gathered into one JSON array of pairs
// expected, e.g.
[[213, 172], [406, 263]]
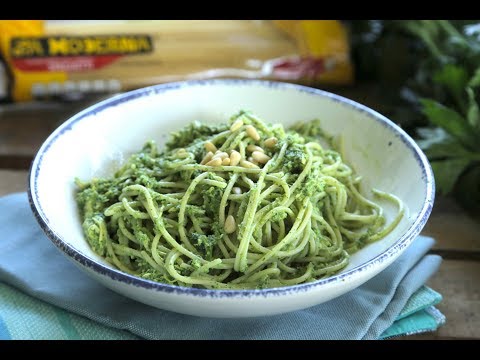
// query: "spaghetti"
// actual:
[[233, 206]]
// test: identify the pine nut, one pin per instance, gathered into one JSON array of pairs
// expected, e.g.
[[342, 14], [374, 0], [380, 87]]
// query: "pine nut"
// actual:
[[230, 225], [235, 158], [271, 142], [207, 158], [236, 190], [253, 148], [226, 161], [252, 160], [210, 147], [214, 162], [248, 164], [260, 157], [236, 125], [252, 132], [221, 155], [182, 153]]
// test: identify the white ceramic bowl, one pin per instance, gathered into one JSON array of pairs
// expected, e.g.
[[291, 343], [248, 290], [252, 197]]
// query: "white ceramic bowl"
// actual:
[[98, 139]]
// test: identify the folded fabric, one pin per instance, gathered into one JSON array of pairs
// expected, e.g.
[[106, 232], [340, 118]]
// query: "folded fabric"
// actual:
[[45, 296]]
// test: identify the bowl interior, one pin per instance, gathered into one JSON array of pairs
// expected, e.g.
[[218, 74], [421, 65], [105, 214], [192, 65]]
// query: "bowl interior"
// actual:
[[98, 140]]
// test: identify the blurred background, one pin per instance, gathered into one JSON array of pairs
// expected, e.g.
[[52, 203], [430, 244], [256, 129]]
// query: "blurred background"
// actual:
[[422, 74]]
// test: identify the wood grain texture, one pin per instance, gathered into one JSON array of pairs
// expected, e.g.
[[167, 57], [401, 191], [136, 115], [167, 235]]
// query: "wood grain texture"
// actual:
[[458, 282], [12, 181], [452, 226], [24, 127]]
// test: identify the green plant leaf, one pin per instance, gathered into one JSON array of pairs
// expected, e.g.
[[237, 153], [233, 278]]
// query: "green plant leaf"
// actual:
[[450, 120], [467, 189], [447, 172], [449, 149], [473, 113], [438, 145], [430, 136], [428, 31], [455, 79], [475, 80]]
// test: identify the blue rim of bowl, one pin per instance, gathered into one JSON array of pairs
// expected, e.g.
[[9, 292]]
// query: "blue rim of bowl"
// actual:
[[117, 275]]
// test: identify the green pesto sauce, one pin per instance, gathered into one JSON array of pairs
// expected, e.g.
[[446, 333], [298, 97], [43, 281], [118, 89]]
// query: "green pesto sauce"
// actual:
[[133, 217]]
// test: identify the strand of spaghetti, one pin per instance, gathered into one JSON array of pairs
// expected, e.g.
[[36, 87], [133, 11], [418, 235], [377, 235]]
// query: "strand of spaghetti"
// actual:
[[246, 228], [299, 222], [160, 267], [125, 250], [205, 267], [281, 156], [234, 139], [263, 274], [181, 212], [223, 201], [334, 267], [303, 278], [155, 253], [125, 232], [302, 175], [135, 213], [110, 251], [170, 260], [176, 245], [394, 223], [259, 124], [233, 169], [285, 268], [258, 247]]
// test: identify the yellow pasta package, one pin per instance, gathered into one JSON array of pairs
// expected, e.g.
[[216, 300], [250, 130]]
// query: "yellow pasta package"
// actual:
[[60, 59]]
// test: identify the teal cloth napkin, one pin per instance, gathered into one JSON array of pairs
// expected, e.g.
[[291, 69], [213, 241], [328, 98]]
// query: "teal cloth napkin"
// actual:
[[45, 296]]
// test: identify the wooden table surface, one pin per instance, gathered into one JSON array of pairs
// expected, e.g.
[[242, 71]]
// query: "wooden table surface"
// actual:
[[457, 233]]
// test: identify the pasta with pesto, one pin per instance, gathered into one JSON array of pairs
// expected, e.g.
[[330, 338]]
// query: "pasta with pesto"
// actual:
[[241, 205]]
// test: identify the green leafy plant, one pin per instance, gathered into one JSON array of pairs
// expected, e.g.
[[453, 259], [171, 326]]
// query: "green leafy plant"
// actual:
[[453, 146], [452, 142], [437, 97]]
